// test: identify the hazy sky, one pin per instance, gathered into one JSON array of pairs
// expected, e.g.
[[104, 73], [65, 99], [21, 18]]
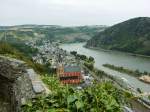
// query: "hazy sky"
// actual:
[[71, 12]]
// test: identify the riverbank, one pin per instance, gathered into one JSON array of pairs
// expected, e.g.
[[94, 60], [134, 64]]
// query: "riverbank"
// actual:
[[121, 69], [136, 105], [145, 79], [128, 53], [120, 84], [142, 76], [120, 59]]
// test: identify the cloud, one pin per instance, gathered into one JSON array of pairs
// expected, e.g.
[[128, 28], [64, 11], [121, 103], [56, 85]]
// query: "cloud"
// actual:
[[71, 12]]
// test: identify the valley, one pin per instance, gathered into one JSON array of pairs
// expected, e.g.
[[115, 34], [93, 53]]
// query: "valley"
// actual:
[[75, 56], [55, 52]]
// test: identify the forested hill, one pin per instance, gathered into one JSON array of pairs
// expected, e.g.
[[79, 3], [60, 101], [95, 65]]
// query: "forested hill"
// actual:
[[51, 32], [129, 36]]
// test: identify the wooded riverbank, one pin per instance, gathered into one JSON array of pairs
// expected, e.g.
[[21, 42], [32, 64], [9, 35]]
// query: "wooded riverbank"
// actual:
[[142, 76]]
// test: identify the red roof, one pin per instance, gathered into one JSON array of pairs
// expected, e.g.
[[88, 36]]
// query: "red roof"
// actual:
[[75, 81]]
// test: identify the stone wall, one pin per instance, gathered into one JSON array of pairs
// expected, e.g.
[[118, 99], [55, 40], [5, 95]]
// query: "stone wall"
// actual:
[[5, 96], [18, 84]]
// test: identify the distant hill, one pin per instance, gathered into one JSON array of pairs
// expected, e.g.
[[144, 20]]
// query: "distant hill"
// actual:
[[51, 32], [130, 36]]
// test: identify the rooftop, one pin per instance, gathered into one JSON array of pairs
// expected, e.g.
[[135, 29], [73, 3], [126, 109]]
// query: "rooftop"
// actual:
[[72, 69]]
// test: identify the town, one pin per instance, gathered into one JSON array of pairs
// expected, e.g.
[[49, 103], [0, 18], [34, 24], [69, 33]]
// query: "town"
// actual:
[[69, 69]]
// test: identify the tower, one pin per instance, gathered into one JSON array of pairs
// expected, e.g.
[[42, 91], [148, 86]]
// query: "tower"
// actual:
[[60, 70]]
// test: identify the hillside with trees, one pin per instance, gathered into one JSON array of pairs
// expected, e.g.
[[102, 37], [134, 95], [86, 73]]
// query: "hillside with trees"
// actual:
[[50, 32], [131, 36]]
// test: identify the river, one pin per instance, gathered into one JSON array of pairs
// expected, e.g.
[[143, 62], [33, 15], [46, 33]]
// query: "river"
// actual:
[[116, 58]]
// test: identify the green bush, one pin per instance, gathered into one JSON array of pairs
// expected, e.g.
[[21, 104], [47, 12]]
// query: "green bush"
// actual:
[[97, 98]]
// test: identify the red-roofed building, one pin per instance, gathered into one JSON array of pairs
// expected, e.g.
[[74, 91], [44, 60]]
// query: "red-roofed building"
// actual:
[[69, 74]]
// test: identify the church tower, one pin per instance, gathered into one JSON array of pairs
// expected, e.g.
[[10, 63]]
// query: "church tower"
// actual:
[[60, 70]]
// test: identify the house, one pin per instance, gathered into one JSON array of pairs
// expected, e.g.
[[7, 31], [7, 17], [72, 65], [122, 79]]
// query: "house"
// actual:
[[69, 74]]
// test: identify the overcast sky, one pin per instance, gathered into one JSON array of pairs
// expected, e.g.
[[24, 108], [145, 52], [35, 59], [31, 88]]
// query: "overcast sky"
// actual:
[[71, 12]]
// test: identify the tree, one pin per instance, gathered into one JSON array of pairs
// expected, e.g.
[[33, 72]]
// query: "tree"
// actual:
[[91, 59], [145, 73], [137, 72], [89, 65], [82, 57], [139, 90], [73, 53], [149, 97]]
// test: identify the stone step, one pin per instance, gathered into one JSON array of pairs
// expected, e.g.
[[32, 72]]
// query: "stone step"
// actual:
[[32, 74], [38, 87], [37, 84]]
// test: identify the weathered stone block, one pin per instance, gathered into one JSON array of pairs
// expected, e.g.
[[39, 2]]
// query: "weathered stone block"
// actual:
[[17, 84]]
